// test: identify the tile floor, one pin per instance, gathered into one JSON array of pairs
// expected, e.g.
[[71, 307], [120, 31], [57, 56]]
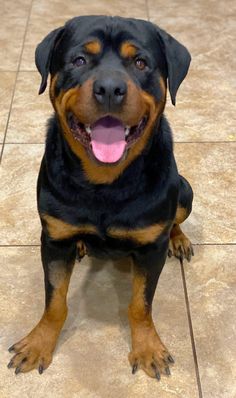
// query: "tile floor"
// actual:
[[194, 308]]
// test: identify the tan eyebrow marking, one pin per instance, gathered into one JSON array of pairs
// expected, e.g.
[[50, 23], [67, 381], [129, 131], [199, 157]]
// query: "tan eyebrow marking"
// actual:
[[128, 50], [93, 47]]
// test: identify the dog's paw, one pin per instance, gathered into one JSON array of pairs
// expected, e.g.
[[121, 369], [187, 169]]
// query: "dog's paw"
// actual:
[[180, 246], [151, 356], [81, 250], [33, 352]]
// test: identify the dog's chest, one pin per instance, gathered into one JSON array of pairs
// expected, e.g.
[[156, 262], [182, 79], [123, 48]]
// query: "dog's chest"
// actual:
[[107, 229], [108, 225]]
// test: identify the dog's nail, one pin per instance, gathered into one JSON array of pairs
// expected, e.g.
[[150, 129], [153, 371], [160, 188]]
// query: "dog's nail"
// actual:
[[189, 255], [40, 369], [17, 370], [134, 369], [11, 349], [157, 374], [10, 364], [170, 359], [167, 370]]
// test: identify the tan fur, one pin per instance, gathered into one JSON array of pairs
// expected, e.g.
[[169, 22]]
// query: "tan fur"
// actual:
[[93, 47], [181, 215], [146, 344], [128, 50], [80, 101], [140, 235], [82, 250], [39, 344], [59, 229]]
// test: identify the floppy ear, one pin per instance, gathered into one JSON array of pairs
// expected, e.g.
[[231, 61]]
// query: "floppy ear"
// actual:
[[178, 61], [43, 55]]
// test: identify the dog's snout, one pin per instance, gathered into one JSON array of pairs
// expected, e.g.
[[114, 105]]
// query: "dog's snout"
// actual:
[[109, 91]]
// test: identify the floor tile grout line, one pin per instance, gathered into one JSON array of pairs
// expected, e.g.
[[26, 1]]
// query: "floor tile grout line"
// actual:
[[8, 119], [147, 8], [24, 143], [191, 331], [215, 244], [16, 77], [19, 246], [195, 244], [204, 142]]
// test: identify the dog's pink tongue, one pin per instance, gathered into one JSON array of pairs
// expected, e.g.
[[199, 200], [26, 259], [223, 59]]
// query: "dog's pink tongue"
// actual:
[[108, 139]]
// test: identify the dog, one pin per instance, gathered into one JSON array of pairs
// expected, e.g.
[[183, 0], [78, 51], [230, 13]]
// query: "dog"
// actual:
[[108, 185]]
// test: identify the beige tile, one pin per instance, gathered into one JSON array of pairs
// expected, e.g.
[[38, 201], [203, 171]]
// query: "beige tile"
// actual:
[[74, 8], [19, 222], [211, 9], [11, 40], [7, 80], [205, 107], [211, 282], [206, 28], [210, 168], [91, 357], [36, 32], [15, 8], [34, 108]]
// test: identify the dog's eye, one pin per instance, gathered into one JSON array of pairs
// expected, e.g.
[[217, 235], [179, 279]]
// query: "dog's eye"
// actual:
[[140, 63], [79, 61]]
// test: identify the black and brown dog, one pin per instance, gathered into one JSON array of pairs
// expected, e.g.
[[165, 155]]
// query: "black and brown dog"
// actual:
[[108, 184]]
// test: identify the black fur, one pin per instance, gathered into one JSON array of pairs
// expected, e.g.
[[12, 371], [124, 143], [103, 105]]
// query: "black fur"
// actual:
[[145, 195], [150, 188]]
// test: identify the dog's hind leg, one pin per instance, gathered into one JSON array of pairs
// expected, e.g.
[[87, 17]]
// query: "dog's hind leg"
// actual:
[[180, 246]]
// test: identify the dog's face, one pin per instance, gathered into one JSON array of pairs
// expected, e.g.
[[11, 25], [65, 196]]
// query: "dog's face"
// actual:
[[108, 86]]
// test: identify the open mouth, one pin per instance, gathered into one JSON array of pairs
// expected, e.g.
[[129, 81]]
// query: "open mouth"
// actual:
[[108, 138]]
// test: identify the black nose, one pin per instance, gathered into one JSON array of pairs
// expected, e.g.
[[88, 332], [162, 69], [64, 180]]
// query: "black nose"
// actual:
[[110, 92]]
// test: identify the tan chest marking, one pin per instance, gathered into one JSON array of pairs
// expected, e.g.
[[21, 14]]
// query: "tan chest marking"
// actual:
[[59, 229], [140, 235]]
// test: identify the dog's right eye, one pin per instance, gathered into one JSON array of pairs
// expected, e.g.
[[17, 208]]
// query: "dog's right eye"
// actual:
[[140, 63], [79, 61]]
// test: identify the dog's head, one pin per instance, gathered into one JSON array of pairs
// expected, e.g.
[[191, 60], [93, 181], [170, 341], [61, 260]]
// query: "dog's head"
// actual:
[[108, 86]]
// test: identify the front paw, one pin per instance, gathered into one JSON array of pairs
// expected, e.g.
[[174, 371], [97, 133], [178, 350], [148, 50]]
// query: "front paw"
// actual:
[[33, 352], [151, 355]]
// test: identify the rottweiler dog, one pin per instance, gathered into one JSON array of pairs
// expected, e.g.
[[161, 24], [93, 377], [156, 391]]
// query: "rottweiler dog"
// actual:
[[108, 184]]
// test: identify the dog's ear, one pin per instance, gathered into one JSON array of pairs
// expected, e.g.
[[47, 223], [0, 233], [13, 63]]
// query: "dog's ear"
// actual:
[[177, 59], [43, 55]]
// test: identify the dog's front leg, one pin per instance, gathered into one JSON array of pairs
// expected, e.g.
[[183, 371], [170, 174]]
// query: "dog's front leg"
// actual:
[[36, 349], [148, 352]]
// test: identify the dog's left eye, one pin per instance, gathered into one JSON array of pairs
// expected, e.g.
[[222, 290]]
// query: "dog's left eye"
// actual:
[[140, 63], [79, 61]]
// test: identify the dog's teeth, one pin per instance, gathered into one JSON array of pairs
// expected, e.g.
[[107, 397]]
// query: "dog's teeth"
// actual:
[[88, 129], [127, 130]]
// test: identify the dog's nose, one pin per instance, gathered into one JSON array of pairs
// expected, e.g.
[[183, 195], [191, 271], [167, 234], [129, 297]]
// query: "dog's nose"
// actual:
[[109, 92]]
